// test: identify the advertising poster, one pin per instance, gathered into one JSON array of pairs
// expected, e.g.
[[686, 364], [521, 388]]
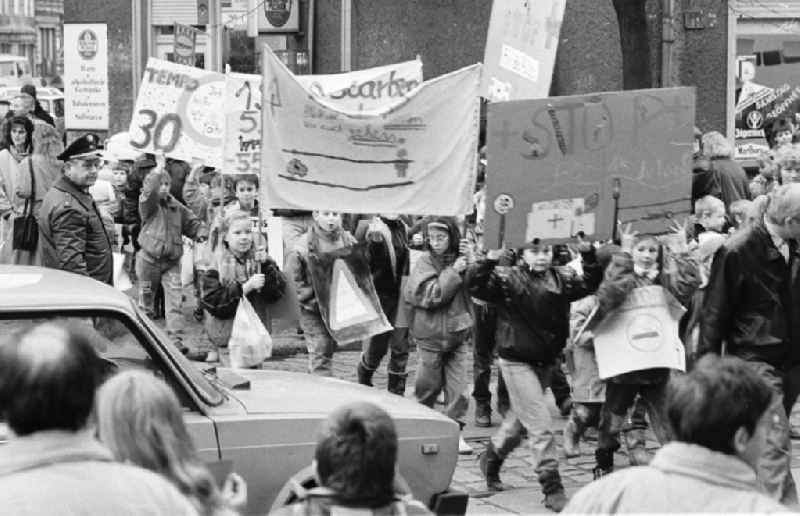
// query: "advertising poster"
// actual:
[[86, 100]]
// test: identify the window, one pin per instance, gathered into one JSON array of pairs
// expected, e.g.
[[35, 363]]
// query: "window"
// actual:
[[58, 112], [772, 57]]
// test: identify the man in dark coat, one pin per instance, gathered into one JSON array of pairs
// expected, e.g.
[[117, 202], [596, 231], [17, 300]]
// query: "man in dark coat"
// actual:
[[752, 310], [72, 233]]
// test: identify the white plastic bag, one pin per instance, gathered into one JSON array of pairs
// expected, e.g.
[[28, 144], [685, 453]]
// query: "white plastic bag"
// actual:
[[121, 279], [187, 263], [250, 342]]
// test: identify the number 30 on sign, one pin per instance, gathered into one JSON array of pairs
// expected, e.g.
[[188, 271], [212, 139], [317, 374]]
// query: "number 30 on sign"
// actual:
[[163, 132]]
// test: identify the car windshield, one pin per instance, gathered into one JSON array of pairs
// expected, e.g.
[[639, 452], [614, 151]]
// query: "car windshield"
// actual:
[[59, 108], [122, 345], [8, 69]]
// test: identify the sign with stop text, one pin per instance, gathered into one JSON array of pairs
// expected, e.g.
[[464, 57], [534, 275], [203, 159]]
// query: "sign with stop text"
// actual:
[[579, 164], [641, 334], [415, 155], [180, 112], [358, 90]]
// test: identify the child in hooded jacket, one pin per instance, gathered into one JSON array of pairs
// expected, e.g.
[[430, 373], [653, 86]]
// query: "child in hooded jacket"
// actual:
[[440, 320]]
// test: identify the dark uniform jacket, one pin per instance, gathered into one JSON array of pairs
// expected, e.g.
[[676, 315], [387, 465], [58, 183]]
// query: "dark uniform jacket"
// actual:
[[72, 233], [752, 302]]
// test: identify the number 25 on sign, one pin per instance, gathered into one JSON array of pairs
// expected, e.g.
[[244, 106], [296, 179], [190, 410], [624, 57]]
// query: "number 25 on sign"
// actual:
[[163, 132]]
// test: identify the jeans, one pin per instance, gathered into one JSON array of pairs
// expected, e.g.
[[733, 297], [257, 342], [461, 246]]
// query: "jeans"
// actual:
[[774, 466], [375, 349], [526, 387], [168, 274], [319, 343], [482, 358], [443, 367], [620, 398]]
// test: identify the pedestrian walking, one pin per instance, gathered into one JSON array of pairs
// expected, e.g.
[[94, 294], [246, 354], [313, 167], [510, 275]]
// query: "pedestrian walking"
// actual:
[[18, 131], [71, 230]]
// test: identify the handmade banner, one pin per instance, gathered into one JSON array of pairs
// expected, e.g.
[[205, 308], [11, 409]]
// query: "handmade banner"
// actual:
[[359, 90], [180, 112], [564, 165], [641, 334], [521, 49], [86, 100], [416, 156], [346, 295]]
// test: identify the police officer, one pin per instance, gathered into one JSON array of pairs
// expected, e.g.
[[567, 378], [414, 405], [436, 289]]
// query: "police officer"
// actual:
[[71, 230]]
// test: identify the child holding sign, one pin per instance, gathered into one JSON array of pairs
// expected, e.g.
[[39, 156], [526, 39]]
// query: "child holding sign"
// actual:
[[643, 262]]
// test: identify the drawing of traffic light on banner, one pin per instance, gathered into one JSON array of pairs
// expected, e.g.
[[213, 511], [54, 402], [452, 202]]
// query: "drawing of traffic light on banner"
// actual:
[[346, 295]]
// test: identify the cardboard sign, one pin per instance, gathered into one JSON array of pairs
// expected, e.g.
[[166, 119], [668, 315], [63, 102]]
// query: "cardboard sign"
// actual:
[[360, 90], [185, 40], [559, 163], [180, 112], [86, 100], [416, 156], [521, 49], [346, 295], [641, 334]]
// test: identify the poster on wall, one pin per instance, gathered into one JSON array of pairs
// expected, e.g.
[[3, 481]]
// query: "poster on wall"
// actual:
[[86, 99], [565, 165], [180, 111], [521, 49], [185, 44], [278, 15], [416, 155]]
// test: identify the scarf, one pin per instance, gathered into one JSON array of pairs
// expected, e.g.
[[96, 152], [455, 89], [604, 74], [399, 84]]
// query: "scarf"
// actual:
[[641, 272]]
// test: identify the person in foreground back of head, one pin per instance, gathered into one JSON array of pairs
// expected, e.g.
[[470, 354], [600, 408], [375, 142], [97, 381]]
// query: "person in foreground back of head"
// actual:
[[356, 464], [720, 419], [140, 419], [52, 463]]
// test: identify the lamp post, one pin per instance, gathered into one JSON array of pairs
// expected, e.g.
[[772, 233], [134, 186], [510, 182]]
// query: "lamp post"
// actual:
[[615, 193]]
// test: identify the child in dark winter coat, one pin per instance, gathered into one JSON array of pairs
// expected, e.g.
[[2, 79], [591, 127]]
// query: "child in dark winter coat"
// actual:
[[533, 303], [643, 262]]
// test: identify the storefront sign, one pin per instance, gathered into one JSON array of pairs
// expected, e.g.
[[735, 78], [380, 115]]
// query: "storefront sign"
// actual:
[[86, 100], [179, 111], [564, 163], [417, 156], [641, 334], [521, 49], [185, 40], [360, 90]]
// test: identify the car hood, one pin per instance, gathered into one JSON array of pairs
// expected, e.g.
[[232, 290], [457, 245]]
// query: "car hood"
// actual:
[[280, 392]]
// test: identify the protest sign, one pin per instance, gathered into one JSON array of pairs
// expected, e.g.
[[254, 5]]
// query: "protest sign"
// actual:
[[86, 100], [416, 156], [346, 295], [179, 111], [521, 49], [569, 164], [640, 334], [359, 90]]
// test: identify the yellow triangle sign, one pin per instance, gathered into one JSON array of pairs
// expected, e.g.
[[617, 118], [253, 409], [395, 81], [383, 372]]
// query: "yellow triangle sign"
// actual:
[[348, 304]]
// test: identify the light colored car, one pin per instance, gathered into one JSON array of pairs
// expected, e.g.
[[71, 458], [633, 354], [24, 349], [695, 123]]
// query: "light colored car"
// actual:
[[14, 70], [265, 422]]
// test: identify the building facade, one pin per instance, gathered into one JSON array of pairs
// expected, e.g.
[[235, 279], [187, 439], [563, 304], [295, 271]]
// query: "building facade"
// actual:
[[18, 29], [49, 60]]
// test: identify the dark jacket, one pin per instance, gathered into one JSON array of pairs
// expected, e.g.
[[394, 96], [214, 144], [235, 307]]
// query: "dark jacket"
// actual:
[[164, 223], [72, 233], [533, 308], [752, 301], [43, 115], [386, 278], [724, 179]]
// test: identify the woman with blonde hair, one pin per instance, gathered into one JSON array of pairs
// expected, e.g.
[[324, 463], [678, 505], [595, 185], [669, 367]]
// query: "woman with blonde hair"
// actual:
[[140, 420], [727, 178]]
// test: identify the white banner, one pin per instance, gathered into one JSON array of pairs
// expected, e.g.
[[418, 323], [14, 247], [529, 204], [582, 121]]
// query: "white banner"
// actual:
[[362, 89], [180, 112], [416, 156], [86, 76], [641, 334]]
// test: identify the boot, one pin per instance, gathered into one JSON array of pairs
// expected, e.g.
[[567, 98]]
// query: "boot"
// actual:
[[554, 497], [572, 438], [604, 463], [483, 415], [364, 374], [397, 383], [490, 463]]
